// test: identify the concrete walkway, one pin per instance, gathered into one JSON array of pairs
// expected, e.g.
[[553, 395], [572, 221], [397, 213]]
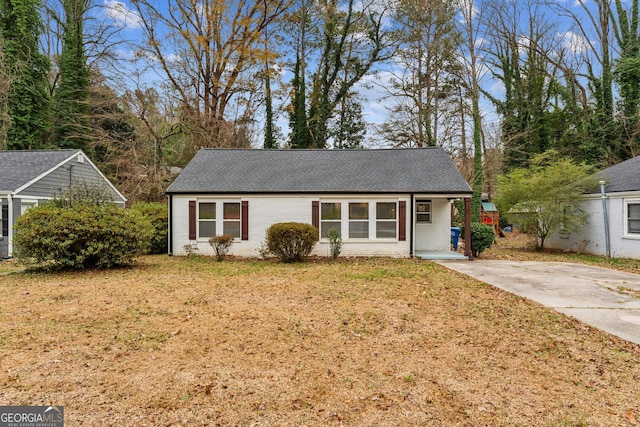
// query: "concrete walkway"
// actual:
[[605, 299]]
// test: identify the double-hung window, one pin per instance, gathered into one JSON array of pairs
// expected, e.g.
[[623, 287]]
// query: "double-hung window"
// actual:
[[633, 217], [359, 220], [231, 219], [206, 219], [363, 220], [386, 219], [218, 218], [423, 211], [330, 218]]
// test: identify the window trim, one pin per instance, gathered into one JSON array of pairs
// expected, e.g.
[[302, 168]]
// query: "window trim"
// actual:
[[366, 220], [372, 220], [26, 204], [430, 212], [332, 221], [209, 220], [219, 220], [237, 220], [627, 233], [386, 220]]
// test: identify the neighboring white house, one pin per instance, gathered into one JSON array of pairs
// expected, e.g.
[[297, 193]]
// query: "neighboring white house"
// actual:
[[29, 177], [384, 202], [622, 198]]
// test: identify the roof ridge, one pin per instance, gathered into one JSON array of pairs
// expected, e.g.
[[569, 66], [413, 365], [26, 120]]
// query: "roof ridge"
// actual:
[[328, 150], [44, 150]]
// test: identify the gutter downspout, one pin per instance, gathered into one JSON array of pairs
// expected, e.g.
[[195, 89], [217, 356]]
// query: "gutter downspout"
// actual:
[[412, 251], [170, 231], [10, 222], [605, 215]]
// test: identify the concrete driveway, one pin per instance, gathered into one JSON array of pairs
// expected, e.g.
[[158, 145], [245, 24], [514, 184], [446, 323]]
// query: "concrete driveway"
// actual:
[[605, 299]]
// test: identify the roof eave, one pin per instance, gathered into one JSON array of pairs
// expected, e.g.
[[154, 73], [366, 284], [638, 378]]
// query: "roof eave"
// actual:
[[298, 192]]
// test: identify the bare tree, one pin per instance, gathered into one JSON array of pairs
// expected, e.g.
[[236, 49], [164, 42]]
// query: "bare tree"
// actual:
[[209, 52], [471, 23], [423, 79]]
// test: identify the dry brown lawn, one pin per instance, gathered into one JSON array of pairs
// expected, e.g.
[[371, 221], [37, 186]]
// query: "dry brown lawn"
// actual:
[[362, 342]]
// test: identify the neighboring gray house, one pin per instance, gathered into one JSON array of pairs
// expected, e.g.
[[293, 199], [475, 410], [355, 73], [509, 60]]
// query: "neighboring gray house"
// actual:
[[622, 196], [30, 177], [384, 202]]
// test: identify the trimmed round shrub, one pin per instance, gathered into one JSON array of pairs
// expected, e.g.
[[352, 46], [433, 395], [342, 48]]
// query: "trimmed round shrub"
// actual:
[[158, 216], [291, 241], [482, 237], [82, 236]]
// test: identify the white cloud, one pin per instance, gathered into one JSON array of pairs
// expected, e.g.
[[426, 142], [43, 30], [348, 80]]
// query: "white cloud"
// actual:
[[574, 42], [122, 15], [172, 57], [468, 10], [523, 44]]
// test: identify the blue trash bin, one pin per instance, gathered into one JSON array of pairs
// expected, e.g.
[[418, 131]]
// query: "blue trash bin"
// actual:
[[455, 235]]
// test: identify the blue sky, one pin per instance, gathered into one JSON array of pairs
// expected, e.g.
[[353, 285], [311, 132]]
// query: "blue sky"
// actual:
[[121, 14]]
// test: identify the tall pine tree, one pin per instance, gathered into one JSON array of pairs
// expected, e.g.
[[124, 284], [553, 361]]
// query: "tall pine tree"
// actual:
[[349, 128], [71, 98], [299, 136], [27, 96]]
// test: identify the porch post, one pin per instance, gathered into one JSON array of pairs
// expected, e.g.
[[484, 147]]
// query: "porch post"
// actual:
[[467, 228]]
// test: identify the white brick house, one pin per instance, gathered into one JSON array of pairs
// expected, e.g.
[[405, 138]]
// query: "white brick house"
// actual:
[[384, 202]]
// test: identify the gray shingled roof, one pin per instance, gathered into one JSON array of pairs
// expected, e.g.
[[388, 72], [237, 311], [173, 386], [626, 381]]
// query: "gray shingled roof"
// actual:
[[20, 167], [624, 176], [425, 170]]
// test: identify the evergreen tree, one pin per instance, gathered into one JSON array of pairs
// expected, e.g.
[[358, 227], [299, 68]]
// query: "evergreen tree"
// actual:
[[350, 128], [354, 39], [71, 98], [5, 83], [269, 133], [27, 97], [627, 75], [299, 136]]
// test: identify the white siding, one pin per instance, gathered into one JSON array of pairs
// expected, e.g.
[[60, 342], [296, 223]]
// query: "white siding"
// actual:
[[591, 238], [267, 210], [435, 236]]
